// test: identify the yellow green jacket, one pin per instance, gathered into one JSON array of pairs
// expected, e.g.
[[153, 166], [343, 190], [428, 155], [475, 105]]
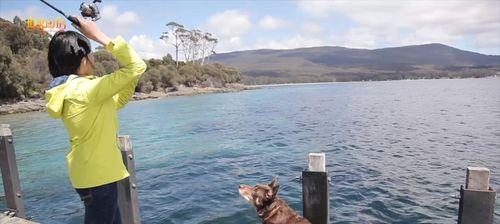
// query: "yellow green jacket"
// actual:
[[88, 108]]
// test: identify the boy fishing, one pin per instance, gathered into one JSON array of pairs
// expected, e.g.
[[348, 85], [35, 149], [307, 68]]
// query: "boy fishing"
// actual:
[[88, 107]]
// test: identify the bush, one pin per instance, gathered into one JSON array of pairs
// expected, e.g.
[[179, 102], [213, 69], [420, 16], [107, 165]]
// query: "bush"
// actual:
[[144, 86]]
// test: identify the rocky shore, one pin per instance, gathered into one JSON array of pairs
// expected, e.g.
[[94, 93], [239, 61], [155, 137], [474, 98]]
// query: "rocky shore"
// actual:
[[29, 105]]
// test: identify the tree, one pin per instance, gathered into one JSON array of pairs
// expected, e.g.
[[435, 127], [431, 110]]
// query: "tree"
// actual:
[[185, 37], [17, 21], [7, 81], [176, 42], [196, 39], [104, 62], [18, 38], [211, 43], [196, 45]]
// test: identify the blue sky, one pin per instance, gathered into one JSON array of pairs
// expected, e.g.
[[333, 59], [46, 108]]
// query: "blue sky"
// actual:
[[243, 25]]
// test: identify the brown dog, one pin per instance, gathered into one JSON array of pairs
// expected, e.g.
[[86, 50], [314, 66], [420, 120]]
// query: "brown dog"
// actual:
[[270, 208]]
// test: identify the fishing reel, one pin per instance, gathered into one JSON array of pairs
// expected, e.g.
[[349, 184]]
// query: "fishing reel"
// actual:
[[91, 10]]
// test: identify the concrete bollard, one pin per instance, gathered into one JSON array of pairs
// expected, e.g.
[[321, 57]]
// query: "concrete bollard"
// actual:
[[315, 187], [477, 199], [10, 173], [317, 162], [127, 188], [477, 178]]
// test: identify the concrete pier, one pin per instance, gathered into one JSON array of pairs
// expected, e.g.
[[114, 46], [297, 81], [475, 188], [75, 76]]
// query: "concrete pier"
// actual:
[[315, 190], [10, 173], [127, 189], [477, 199], [15, 213], [7, 219]]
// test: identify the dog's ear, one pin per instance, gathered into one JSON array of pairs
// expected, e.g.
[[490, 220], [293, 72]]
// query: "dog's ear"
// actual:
[[275, 185]]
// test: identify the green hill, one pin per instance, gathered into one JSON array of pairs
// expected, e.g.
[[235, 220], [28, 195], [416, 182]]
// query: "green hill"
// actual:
[[348, 64]]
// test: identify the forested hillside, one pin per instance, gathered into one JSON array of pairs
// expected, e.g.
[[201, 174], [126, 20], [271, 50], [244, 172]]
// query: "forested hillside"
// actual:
[[24, 70], [319, 64]]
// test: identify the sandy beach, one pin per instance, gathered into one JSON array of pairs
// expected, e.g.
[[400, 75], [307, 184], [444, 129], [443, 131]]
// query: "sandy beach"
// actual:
[[30, 105]]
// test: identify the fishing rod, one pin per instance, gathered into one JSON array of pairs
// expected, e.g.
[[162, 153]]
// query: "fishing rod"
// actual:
[[87, 10], [73, 19]]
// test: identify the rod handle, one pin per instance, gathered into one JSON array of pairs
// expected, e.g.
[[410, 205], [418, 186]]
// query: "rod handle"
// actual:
[[74, 20]]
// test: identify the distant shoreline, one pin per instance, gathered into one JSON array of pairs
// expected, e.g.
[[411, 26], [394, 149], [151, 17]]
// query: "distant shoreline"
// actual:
[[332, 82], [32, 105]]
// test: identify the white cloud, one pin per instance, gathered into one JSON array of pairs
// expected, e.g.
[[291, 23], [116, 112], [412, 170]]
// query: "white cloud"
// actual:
[[427, 35], [230, 23], [457, 17], [148, 48], [297, 41], [413, 22], [316, 8], [273, 23], [311, 28], [114, 22], [229, 27], [488, 41], [357, 38], [29, 12]]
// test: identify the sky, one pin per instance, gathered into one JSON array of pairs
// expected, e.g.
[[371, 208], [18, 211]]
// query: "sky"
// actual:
[[244, 25]]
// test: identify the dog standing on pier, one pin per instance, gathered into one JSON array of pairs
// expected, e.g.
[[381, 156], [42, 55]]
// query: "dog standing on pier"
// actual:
[[271, 209]]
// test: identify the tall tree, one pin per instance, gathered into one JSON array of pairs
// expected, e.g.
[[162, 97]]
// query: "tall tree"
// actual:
[[173, 26], [185, 36], [17, 21], [208, 47], [196, 45]]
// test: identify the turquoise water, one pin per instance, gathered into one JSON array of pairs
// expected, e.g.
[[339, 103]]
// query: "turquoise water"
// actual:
[[396, 151]]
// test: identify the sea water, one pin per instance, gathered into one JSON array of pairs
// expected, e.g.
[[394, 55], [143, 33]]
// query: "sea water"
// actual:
[[396, 151]]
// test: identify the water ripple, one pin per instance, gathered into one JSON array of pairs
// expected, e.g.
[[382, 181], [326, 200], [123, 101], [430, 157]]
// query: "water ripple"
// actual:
[[396, 151]]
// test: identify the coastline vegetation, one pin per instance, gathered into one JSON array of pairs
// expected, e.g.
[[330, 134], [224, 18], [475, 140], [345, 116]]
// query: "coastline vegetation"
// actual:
[[24, 70]]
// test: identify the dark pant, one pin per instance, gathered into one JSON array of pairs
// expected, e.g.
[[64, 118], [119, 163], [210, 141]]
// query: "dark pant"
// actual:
[[101, 204]]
